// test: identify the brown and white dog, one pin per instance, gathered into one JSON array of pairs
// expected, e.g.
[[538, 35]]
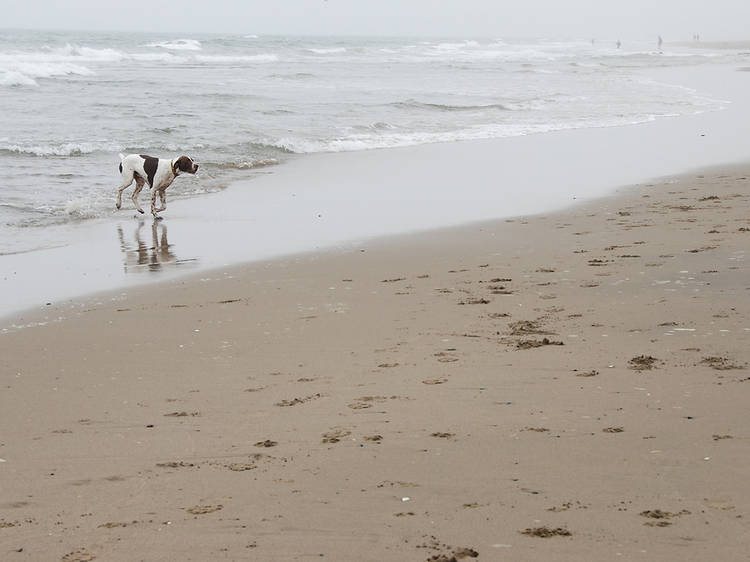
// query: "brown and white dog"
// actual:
[[158, 173]]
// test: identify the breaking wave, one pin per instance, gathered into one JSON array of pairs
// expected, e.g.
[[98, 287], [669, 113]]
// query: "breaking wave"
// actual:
[[25, 68], [59, 149], [178, 45], [236, 58], [22, 72], [413, 104], [330, 51]]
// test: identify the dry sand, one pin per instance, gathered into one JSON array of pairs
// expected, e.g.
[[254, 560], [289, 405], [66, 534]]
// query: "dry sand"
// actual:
[[564, 387]]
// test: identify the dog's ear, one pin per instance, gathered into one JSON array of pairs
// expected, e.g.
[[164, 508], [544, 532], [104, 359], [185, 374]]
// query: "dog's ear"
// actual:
[[183, 164]]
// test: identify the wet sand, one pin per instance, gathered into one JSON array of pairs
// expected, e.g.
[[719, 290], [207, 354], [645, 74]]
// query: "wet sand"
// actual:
[[571, 386]]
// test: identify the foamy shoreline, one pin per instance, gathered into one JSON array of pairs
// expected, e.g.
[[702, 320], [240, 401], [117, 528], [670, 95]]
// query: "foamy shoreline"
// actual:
[[338, 200]]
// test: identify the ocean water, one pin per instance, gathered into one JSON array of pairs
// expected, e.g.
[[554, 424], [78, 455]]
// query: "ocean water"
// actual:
[[71, 101]]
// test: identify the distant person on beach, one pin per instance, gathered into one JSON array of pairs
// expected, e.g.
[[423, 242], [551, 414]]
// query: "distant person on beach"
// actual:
[[660, 42], [618, 44]]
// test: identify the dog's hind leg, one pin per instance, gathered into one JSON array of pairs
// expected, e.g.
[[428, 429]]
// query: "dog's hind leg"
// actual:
[[139, 182]]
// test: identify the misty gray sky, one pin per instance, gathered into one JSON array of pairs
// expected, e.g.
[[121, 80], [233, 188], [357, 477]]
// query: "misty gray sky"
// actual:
[[674, 19]]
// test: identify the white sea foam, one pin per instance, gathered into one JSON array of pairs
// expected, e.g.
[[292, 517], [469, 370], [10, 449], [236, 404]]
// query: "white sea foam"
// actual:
[[48, 70], [68, 53], [59, 149], [24, 67], [378, 140], [91, 54], [330, 51], [158, 57], [82, 208], [456, 46], [16, 78], [178, 45], [24, 71], [236, 58]]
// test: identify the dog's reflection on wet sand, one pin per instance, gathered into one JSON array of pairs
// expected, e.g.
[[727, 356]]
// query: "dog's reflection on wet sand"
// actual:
[[149, 254]]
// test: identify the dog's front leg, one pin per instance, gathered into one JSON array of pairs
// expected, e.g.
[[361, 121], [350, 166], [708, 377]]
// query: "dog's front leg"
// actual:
[[163, 198], [138, 186], [120, 189], [154, 210]]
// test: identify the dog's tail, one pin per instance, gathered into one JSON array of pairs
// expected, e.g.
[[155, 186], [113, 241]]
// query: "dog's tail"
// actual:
[[122, 157]]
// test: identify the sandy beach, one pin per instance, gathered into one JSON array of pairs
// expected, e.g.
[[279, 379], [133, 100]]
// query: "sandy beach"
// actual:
[[570, 386]]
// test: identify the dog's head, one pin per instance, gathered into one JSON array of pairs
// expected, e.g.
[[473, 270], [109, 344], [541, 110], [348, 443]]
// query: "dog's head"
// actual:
[[185, 164]]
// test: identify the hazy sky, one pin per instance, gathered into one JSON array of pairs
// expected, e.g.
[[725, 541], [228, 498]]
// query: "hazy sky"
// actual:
[[674, 19]]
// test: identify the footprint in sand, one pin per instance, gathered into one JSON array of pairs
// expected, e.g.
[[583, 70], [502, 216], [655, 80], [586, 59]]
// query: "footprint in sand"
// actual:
[[256, 389], [295, 401], [182, 414], [445, 357], [720, 363], [240, 466], [335, 435], [364, 402], [475, 301], [661, 517], [643, 363], [546, 532], [204, 509], [449, 553], [78, 556], [111, 525], [175, 464], [530, 344]]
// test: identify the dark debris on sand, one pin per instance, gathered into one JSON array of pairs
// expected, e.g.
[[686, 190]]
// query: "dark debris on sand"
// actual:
[[546, 532], [530, 344], [455, 556], [643, 363]]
